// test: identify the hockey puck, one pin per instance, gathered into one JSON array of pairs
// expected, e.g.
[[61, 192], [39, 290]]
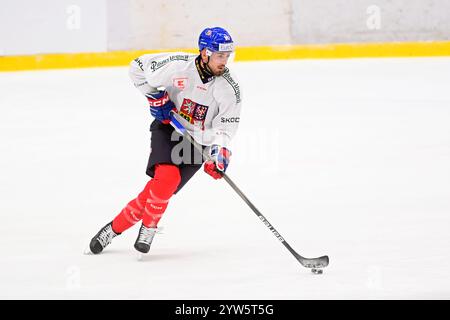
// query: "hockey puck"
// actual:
[[317, 271]]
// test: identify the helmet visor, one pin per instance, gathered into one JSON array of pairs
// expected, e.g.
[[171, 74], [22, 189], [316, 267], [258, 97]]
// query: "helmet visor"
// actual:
[[224, 57]]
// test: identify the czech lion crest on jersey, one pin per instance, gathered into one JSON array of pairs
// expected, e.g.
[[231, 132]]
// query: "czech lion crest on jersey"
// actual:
[[194, 113]]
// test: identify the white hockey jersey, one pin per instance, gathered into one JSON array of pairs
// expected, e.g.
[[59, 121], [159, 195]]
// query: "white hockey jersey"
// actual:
[[209, 108]]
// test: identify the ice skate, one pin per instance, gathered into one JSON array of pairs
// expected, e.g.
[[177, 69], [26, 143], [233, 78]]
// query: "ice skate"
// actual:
[[144, 240], [102, 239]]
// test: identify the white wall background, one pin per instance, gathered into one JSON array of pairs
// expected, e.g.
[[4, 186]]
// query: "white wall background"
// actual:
[[59, 26], [141, 24], [343, 21], [52, 26]]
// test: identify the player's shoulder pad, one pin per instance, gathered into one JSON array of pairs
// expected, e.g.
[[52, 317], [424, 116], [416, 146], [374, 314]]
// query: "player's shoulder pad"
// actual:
[[162, 60], [231, 84]]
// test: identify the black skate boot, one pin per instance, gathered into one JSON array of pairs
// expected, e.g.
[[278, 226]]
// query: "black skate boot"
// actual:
[[102, 239], [144, 239]]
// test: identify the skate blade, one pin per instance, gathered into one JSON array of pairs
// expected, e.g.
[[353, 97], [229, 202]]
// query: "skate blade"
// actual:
[[139, 256], [87, 250]]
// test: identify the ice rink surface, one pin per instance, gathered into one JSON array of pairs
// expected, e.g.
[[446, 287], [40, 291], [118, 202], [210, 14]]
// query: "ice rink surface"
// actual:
[[349, 158]]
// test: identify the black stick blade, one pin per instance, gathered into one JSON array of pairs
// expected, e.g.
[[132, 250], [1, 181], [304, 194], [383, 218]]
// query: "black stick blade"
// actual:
[[320, 262]]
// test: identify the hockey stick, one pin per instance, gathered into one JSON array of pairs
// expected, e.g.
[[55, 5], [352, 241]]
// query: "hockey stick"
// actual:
[[314, 263]]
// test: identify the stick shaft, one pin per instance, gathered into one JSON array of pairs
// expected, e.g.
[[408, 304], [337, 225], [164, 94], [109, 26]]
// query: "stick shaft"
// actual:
[[180, 129]]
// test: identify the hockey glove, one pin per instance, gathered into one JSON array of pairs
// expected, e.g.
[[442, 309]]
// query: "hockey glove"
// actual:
[[160, 105], [220, 158]]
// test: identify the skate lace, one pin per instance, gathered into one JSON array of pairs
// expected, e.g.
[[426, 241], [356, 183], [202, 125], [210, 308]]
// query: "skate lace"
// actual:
[[146, 234], [105, 237]]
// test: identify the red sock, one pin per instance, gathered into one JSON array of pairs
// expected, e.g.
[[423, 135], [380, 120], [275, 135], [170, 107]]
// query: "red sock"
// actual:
[[132, 213], [161, 188]]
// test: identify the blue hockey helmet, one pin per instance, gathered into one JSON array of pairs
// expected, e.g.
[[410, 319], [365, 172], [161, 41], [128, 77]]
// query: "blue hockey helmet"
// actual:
[[215, 39]]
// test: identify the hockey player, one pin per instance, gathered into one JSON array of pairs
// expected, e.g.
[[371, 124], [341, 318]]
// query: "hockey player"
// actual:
[[206, 98]]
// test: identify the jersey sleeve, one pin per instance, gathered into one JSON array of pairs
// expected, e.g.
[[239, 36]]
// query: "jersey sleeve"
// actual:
[[151, 71]]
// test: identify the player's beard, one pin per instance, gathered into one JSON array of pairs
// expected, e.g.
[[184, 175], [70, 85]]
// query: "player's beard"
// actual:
[[219, 72]]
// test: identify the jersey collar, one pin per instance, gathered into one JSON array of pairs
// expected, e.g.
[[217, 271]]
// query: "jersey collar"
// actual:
[[205, 75]]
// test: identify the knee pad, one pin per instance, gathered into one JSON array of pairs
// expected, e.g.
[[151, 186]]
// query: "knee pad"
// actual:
[[167, 178]]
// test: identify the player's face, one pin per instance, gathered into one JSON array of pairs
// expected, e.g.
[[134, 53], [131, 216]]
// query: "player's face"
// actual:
[[218, 61]]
